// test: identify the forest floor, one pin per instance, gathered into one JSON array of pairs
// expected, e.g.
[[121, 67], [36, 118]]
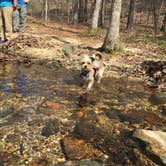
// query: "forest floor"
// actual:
[[47, 118], [53, 40]]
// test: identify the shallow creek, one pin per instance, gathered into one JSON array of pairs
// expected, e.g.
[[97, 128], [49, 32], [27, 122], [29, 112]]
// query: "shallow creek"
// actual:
[[36, 97]]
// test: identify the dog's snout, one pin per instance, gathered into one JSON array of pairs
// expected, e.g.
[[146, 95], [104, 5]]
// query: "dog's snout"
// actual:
[[85, 66]]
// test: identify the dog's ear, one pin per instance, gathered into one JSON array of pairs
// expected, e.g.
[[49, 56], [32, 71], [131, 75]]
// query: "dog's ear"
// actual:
[[92, 59]]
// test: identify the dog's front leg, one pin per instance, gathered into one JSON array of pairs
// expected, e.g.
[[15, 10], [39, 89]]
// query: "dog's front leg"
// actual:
[[90, 84], [100, 75]]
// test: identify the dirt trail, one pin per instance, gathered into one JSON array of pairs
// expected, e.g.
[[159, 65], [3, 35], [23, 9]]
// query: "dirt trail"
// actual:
[[63, 33]]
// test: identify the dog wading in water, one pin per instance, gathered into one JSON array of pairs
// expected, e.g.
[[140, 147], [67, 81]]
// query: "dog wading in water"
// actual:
[[92, 69]]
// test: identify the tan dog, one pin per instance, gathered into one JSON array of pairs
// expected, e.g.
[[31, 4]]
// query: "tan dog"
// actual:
[[92, 69]]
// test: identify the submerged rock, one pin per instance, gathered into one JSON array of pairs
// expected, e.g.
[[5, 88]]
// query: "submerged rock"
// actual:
[[96, 129], [156, 143], [6, 112], [51, 105], [81, 163], [158, 98], [50, 128], [76, 149]]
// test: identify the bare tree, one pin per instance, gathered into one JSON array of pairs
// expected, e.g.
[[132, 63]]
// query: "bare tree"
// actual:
[[46, 10], [95, 17], [86, 11], [148, 14], [155, 16], [111, 41], [163, 28], [75, 11], [98, 12], [131, 15], [102, 17], [68, 11], [81, 11], [157, 5]]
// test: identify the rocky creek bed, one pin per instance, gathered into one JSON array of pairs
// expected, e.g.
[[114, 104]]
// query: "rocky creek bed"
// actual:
[[47, 118]]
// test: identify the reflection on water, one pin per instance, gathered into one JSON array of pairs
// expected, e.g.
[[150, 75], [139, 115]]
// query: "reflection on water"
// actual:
[[60, 85], [21, 82], [17, 78], [5, 87], [30, 97]]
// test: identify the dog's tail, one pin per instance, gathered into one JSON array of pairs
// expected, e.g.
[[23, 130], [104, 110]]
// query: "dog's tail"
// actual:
[[99, 55]]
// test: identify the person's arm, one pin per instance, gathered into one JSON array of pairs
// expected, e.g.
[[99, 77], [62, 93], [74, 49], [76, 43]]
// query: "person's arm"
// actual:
[[26, 1], [15, 4]]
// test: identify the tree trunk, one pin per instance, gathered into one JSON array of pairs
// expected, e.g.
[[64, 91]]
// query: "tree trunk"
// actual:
[[111, 41], [86, 11], [62, 9], [131, 15], [102, 17], [95, 17], [46, 10], [42, 12], [163, 28], [156, 13], [148, 16], [81, 11], [75, 11], [68, 11], [155, 17]]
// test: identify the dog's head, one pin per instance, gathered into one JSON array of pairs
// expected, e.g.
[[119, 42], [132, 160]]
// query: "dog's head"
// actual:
[[86, 62]]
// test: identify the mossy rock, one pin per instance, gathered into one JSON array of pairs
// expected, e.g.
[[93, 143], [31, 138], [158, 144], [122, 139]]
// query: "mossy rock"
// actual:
[[158, 98]]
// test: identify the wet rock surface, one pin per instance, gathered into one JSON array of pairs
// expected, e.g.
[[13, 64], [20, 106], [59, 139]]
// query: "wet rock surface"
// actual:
[[50, 128], [49, 119], [96, 129], [81, 163], [77, 149], [156, 143], [156, 71], [158, 98]]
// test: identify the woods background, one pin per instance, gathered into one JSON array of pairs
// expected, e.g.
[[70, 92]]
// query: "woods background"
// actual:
[[147, 13]]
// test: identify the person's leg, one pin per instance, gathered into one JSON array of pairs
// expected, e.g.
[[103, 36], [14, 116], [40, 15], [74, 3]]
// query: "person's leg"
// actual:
[[23, 16], [7, 11], [1, 24], [16, 20]]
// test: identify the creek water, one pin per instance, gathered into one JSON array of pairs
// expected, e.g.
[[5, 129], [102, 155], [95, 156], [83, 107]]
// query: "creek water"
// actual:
[[31, 94]]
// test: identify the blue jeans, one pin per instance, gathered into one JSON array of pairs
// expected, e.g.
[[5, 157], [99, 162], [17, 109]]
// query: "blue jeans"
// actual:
[[19, 19]]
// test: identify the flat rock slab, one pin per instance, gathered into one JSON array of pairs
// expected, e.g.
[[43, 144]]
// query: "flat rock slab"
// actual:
[[158, 98], [81, 163], [156, 142], [76, 149]]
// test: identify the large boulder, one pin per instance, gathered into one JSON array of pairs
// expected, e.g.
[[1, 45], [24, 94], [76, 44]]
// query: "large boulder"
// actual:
[[158, 98], [81, 163], [155, 143], [96, 129]]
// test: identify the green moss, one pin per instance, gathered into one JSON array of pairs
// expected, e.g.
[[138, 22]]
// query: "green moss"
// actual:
[[162, 42], [99, 33]]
